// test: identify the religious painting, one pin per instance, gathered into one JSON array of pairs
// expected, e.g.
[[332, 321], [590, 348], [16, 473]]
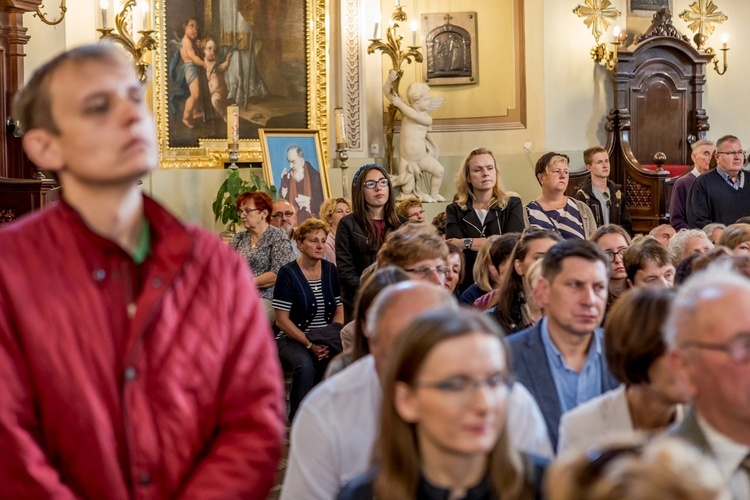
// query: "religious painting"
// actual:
[[293, 162], [450, 48], [262, 55], [647, 8]]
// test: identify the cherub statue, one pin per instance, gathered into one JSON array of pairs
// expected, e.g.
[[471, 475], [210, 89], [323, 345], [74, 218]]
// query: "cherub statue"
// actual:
[[417, 153]]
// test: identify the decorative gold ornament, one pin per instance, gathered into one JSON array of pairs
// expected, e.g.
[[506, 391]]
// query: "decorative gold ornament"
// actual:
[[124, 36], [596, 14], [392, 48], [44, 19], [702, 16]]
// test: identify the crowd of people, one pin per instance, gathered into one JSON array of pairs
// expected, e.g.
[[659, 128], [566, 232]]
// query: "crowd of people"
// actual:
[[503, 351]]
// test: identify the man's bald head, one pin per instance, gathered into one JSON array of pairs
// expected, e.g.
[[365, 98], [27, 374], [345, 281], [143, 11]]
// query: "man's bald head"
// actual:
[[396, 307]]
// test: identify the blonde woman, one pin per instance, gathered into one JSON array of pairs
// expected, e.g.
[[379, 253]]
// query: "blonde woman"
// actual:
[[332, 211], [482, 207]]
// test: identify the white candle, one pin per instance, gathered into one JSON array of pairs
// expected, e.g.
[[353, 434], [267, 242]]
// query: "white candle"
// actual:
[[340, 126], [233, 124], [617, 33], [724, 40], [144, 13], [398, 3], [414, 26], [103, 8], [375, 31]]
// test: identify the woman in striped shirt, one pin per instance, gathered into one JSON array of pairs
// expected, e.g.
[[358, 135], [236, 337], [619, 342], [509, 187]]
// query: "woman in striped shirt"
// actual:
[[306, 296], [553, 210]]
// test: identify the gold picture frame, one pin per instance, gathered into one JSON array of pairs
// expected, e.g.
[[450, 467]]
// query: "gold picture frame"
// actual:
[[210, 150], [282, 149]]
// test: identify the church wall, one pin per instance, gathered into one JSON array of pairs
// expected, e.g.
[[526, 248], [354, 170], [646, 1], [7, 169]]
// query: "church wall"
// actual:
[[568, 96]]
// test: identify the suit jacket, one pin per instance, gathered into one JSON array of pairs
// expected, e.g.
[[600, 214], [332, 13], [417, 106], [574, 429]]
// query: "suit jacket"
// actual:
[[691, 431], [532, 370]]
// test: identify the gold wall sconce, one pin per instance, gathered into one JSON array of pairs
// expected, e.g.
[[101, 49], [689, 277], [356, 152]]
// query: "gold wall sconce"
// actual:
[[701, 17], [42, 17], [597, 15], [124, 21], [392, 47]]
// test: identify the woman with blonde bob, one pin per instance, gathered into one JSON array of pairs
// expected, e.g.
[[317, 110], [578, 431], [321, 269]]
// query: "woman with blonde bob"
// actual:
[[481, 207], [736, 237], [443, 430]]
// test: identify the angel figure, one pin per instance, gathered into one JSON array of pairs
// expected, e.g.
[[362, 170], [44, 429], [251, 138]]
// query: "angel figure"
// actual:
[[417, 153]]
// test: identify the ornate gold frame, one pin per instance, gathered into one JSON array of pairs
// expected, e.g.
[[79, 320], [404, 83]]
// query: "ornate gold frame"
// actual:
[[213, 153]]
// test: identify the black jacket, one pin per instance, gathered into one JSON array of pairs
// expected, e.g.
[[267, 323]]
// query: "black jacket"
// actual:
[[465, 224], [618, 211]]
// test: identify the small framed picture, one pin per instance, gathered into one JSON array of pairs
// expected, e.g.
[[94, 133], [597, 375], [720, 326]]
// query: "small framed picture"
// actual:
[[293, 162], [647, 8]]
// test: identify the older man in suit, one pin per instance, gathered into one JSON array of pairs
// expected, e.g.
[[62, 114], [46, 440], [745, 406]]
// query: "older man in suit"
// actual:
[[709, 349], [560, 360]]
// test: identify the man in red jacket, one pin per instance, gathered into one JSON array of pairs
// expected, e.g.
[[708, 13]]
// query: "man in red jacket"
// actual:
[[135, 358]]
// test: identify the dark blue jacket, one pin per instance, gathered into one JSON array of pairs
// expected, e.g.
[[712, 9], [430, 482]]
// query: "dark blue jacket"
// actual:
[[532, 369], [292, 286]]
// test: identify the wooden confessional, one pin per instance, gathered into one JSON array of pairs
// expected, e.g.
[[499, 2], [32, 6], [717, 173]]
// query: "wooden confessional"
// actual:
[[658, 112], [22, 188]]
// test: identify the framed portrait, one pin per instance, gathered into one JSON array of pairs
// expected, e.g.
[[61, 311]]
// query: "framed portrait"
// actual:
[[293, 162], [265, 56], [647, 8]]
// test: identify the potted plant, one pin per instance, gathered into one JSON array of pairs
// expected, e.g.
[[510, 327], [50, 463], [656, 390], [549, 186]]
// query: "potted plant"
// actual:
[[224, 206]]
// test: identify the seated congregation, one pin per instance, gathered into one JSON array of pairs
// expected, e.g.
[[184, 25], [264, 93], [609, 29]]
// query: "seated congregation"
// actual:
[[509, 350], [582, 337]]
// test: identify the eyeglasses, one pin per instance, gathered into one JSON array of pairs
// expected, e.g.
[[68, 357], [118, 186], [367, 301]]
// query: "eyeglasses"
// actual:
[[248, 211], [732, 153], [620, 253], [416, 214], [462, 387], [279, 215], [380, 182], [738, 348], [427, 271]]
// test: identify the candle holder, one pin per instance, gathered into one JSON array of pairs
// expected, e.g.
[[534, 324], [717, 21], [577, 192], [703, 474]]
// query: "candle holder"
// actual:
[[343, 154], [392, 48], [234, 155], [124, 36]]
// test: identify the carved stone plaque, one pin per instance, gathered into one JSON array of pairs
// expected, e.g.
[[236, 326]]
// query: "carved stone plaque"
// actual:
[[450, 48], [647, 8]]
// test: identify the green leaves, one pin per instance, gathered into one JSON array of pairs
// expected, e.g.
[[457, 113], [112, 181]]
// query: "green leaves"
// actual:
[[224, 206]]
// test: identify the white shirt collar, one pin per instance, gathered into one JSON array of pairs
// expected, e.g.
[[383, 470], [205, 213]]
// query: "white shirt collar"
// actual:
[[695, 172], [728, 454]]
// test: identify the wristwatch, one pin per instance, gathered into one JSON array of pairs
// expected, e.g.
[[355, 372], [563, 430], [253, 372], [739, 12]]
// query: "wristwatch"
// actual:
[[468, 242], [309, 345]]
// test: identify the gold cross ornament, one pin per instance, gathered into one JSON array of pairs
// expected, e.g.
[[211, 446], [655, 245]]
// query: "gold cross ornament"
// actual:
[[596, 14], [702, 16]]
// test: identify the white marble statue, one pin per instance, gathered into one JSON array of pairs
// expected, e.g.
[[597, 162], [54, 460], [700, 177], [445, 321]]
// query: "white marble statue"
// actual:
[[417, 153]]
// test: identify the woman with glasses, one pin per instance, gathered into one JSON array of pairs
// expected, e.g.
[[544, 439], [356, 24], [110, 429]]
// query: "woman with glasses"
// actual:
[[411, 209], [266, 248], [443, 431], [553, 210], [651, 398], [481, 208], [508, 306], [614, 241], [361, 234], [306, 298], [419, 250], [332, 211]]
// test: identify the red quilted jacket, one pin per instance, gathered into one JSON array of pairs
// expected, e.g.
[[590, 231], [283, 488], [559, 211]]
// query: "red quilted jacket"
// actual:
[[184, 401]]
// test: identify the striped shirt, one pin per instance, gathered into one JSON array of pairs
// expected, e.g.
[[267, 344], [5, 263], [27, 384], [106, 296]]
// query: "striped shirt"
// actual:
[[320, 313], [566, 221]]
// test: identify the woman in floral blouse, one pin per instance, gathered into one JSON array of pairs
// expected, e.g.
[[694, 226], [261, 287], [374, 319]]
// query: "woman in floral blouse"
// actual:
[[265, 247]]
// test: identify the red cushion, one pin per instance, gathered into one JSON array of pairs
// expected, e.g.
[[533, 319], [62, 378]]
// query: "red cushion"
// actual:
[[674, 170]]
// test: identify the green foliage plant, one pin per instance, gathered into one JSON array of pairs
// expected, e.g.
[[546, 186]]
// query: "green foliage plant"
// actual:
[[224, 206]]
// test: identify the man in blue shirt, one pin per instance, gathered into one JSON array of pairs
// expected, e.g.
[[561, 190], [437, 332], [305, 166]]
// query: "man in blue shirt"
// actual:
[[560, 360]]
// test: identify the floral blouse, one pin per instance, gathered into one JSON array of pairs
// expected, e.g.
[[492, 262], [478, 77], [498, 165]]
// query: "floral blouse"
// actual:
[[272, 251]]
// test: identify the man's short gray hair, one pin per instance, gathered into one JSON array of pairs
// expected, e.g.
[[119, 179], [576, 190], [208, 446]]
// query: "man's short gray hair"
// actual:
[[697, 144], [702, 285], [393, 294], [297, 150]]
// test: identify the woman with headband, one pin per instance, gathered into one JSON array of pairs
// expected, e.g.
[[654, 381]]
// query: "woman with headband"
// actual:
[[361, 234]]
